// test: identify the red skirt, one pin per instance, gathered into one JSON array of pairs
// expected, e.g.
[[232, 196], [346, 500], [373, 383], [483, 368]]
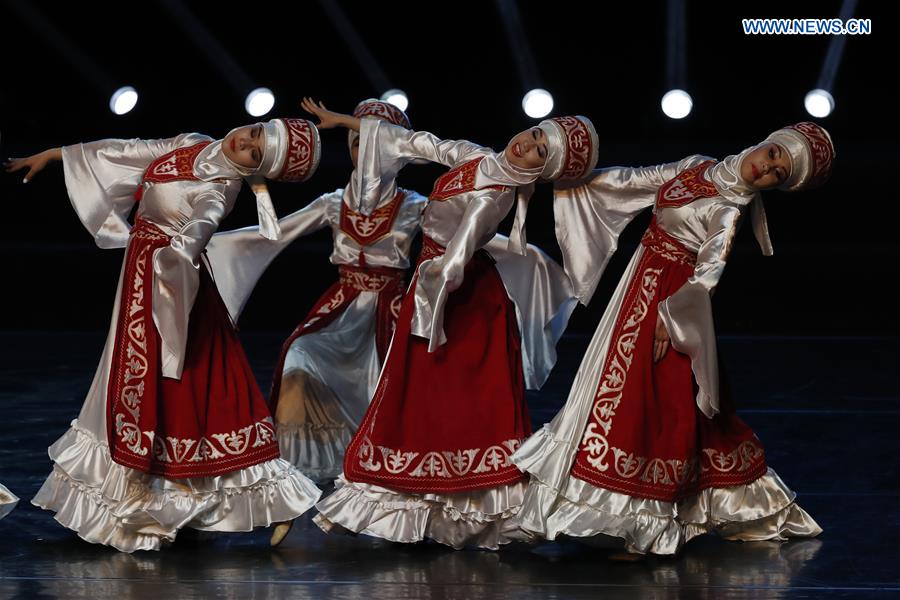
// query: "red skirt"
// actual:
[[214, 419], [385, 281], [645, 436], [448, 421]]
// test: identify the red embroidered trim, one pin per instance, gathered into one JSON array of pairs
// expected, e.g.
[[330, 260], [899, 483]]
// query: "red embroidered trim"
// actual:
[[687, 186], [370, 279], [430, 249], [177, 165], [134, 379], [658, 241], [579, 146], [365, 230], [385, 281], [822, 151], [301, 150], [382, 110], [134, 354], [458, 180]]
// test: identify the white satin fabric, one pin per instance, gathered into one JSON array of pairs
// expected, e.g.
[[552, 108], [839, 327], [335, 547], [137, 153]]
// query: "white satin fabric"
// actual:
[[467, 222], [240, 257], [103, 501], [479, 518], [8, 501], [726, 176], [544, 301], [706, 227], [592, 212], [590, 216], [385, 148], [211, 164], [101, 179], [462, 224], [342, 356], [762, 510], [107, 503]]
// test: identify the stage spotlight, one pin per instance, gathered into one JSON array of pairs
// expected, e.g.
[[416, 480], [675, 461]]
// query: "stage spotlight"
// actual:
[[677, 104], [819, 103], [537, 103], [123, 100], [259, 102], [397, 98]]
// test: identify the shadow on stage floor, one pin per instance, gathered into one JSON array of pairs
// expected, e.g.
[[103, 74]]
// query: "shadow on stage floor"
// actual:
[[827, 410]]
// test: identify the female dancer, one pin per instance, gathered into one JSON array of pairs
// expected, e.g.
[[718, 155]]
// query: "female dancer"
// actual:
[[174, 431], [431, 457], [646, 448], [328, 367]]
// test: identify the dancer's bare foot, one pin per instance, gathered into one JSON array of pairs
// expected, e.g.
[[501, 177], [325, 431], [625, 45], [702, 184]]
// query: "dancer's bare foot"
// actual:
[[280, 532]]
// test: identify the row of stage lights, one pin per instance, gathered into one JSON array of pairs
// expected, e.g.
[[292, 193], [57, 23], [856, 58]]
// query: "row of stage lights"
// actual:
[[537, 103], [258, 102], [677, 104]]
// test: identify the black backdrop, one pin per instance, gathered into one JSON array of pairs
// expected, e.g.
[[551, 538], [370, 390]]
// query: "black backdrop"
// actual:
[[836, 248]]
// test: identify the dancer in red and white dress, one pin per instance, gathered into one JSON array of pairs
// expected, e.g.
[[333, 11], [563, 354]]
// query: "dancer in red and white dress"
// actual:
[[8, 501], [431, 457], [174, 431], [328, 367], [648, 449]]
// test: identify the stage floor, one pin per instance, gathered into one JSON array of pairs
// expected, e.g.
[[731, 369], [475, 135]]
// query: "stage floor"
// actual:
[[826, 409]]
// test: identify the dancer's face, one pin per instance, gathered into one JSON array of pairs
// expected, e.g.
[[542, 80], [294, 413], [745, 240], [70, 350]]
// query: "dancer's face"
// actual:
[[528, 149], [766, 167], [245, 145]]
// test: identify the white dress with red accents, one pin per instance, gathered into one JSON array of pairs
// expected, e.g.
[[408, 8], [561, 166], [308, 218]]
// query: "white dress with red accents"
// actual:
[[651, 454], [479, 324], [342, 341], [174, 431]]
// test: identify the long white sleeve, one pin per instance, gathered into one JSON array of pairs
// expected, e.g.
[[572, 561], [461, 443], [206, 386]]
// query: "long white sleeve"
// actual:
[[591, 213], [687, 314], [240, 257], [439, 276], [102, 177], [176, 273]]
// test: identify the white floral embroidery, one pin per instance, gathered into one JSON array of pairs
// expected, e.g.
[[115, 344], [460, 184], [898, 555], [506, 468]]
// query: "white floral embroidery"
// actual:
[[609, 393], [327, 308], [215, 446], [136, 366], [741, 458], [169, 450], [444, 464], [367, 282]]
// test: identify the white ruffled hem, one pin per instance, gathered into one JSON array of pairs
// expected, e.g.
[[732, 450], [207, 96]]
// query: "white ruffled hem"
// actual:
[[764, 509], [8, 501], [481, 518], [316, 450], [107, 503]]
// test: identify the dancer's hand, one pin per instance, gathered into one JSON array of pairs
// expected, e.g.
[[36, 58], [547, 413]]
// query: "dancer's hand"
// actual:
[[327, 118], [660, 340], [35, 163], [453, 277]]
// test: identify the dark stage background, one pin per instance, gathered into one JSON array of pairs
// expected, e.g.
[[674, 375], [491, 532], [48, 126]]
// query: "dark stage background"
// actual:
[[809, 336], [836, 248]]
